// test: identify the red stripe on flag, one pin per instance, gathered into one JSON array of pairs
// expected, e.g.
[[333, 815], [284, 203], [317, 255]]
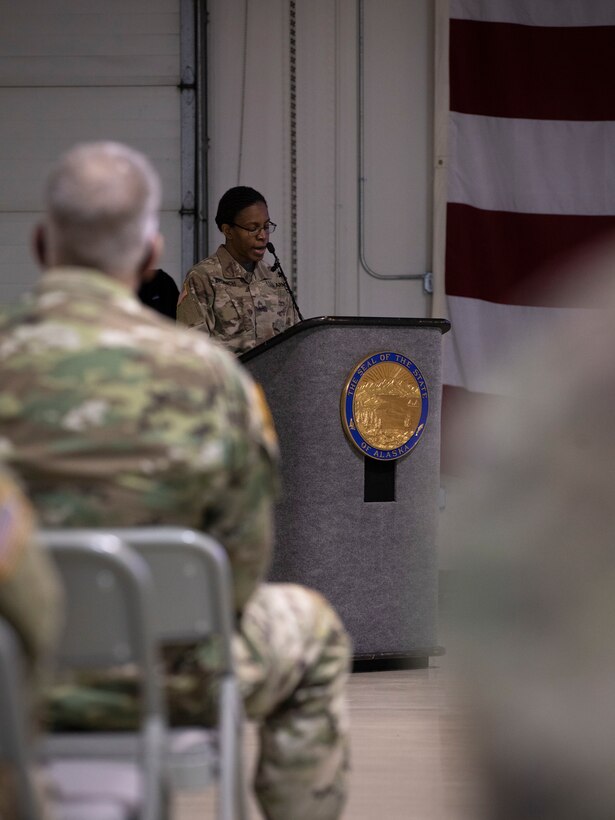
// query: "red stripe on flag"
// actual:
[[536, 72], [516, 258]]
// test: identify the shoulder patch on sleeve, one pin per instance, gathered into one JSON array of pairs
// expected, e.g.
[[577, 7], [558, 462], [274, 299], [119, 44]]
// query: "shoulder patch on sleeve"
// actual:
[[184, 292], [269, 434], [16, 524]]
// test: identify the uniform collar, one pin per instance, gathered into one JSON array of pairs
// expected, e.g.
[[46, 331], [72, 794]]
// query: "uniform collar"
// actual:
[[84, 281], [231, 269]]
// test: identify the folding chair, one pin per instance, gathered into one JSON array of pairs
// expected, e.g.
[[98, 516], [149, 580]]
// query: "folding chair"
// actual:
[[109, 621], [16, 751], [192, 580]]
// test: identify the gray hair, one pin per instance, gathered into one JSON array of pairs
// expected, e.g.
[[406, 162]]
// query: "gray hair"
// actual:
[[102, 201]]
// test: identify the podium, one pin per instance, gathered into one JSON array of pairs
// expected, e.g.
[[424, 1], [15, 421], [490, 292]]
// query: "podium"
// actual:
[[360, 529]]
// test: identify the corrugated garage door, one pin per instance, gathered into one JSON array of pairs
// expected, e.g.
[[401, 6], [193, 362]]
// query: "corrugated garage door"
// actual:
[[74, 70]]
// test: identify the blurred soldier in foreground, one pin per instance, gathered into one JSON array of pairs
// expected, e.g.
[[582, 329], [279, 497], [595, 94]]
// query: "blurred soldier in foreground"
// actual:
[[30, 600], [114, 416], [536, 612]]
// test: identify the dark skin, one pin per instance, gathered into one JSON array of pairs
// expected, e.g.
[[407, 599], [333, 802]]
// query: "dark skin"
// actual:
[[243, 247]]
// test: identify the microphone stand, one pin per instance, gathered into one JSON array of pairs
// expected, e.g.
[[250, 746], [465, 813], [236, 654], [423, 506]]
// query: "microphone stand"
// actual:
[[277, 266]]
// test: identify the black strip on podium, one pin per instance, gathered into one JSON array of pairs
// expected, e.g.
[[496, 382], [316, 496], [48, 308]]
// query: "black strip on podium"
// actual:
[[379, 480]]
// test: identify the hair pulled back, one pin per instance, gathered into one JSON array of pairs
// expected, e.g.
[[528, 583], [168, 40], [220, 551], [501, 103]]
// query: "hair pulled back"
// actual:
[[235, 200]]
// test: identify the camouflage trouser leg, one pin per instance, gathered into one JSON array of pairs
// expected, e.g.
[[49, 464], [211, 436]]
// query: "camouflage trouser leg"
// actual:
[[292, 657]]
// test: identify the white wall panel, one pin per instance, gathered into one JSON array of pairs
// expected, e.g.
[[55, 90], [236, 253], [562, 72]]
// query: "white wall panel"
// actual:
[[346, 205], [395, 120], [170, 225], [316, 156], [125, 42], [46, 121], [73, 70], [397, 167], [248, 107], [19, 270]]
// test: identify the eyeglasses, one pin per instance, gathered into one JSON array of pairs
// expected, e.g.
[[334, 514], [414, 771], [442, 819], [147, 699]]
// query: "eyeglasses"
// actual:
[[268, 227]]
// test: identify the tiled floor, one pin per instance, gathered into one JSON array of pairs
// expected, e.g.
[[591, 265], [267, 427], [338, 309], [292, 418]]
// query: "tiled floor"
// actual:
[[407, 751]]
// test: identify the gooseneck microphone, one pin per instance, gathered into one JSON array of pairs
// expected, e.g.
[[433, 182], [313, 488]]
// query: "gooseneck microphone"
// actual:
[[277, 266]]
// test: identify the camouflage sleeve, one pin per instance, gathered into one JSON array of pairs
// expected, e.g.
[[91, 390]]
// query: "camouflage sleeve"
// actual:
[[195, 303], [293, 316], [30, 593], [243, 519]]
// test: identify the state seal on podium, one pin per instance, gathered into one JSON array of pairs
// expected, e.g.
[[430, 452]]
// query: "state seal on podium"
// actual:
[[384, 405]]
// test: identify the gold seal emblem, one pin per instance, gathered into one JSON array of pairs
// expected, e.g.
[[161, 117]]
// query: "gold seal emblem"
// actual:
[[384, 405]]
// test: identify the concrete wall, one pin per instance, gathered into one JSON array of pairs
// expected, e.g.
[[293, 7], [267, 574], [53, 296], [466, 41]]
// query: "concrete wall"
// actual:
[[74, 70]]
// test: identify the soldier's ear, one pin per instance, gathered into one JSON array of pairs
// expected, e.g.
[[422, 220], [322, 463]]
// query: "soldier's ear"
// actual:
[[40, 246]]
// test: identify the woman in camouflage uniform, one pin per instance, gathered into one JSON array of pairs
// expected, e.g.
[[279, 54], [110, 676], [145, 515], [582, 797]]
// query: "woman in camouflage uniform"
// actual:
[[232, 295]]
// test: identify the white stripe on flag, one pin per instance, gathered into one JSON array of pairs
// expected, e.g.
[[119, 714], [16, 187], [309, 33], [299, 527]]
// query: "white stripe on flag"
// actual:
[[532, 166], [486, 334]]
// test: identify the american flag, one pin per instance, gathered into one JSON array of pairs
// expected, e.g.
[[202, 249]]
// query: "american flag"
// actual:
[[531, 173]]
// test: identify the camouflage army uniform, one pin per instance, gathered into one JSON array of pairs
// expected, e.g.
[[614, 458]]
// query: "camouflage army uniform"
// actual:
[[30, 600], [238, 308], [114, 416], [27, 575]]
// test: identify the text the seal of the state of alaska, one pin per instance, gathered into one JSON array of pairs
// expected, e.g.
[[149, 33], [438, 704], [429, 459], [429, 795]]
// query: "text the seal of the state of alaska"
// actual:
[[384, 405]]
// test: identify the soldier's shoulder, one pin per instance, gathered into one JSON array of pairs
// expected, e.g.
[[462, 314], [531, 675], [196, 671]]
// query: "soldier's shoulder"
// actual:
[[205, 268], [187, 349]]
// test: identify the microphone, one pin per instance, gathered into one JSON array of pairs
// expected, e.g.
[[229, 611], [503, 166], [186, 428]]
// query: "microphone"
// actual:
[[277, 266]]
